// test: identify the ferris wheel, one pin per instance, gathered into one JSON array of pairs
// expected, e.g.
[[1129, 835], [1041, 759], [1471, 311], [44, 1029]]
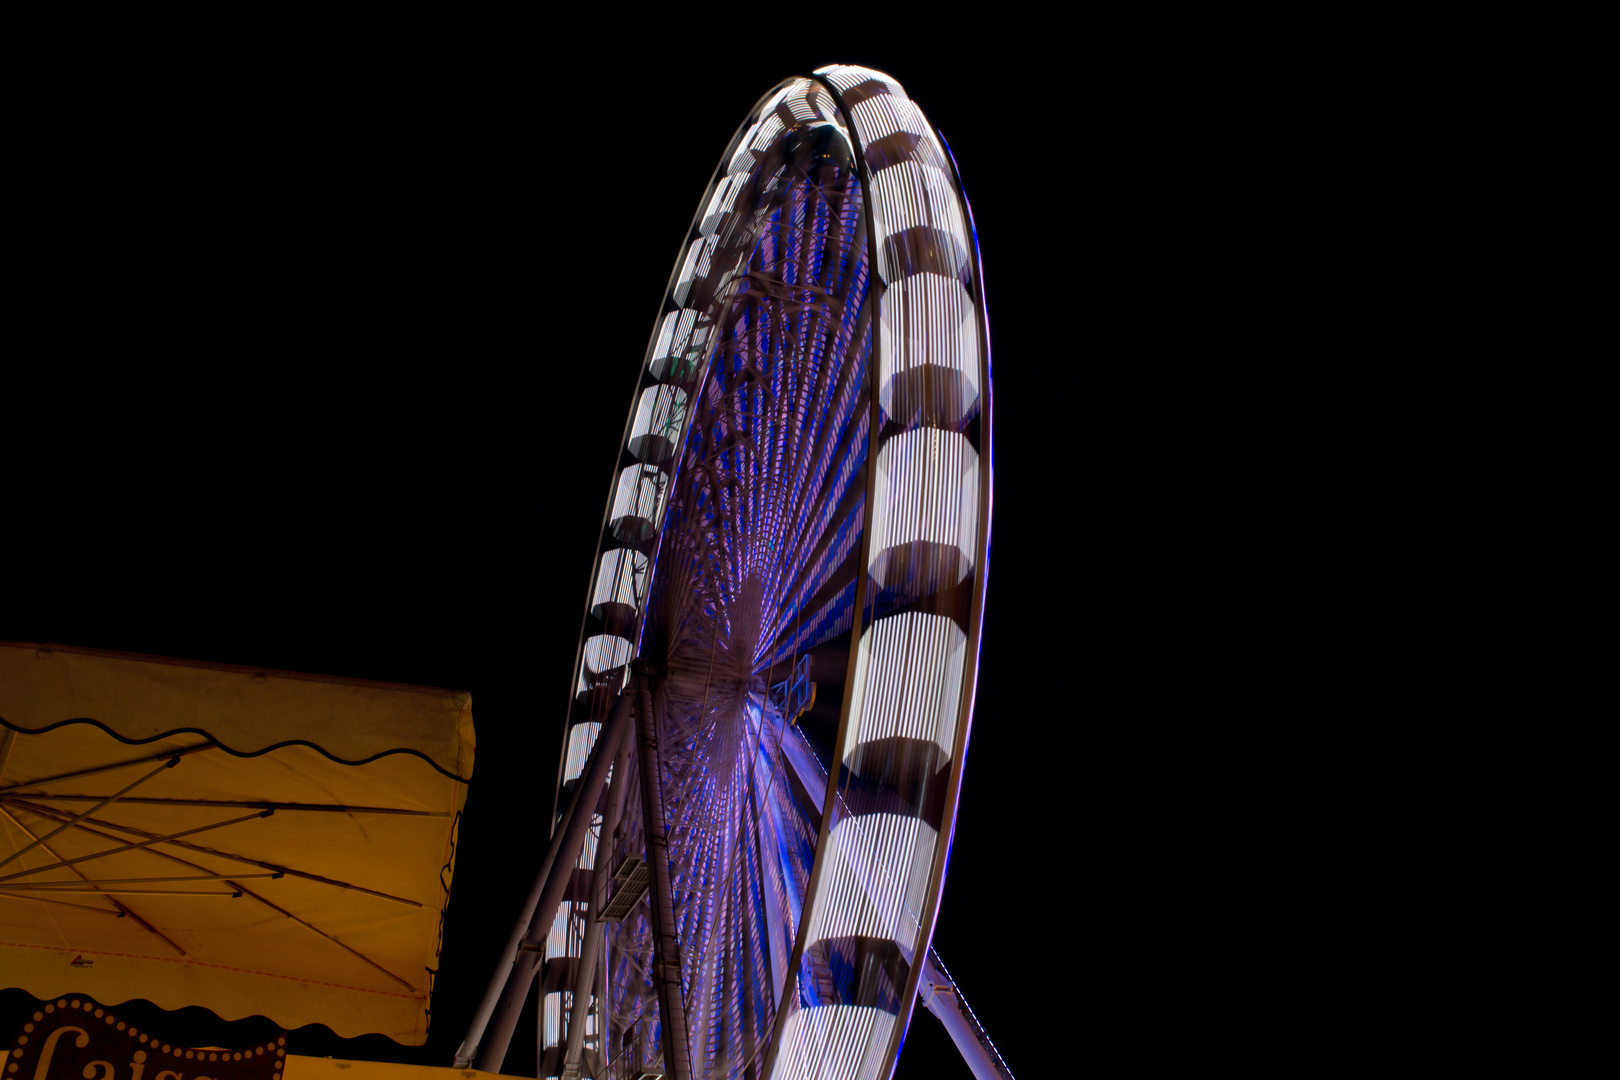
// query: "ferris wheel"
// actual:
[[774, 683]]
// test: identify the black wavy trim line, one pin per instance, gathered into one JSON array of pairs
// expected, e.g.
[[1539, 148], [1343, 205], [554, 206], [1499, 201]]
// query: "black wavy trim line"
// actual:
[[235, 753]]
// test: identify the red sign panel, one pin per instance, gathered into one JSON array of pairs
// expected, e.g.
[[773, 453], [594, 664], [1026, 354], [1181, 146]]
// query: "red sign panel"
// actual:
[[76, 1039]]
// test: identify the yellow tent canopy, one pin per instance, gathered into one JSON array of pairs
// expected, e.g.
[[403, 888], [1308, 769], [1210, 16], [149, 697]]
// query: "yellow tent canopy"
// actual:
[[251, 841]]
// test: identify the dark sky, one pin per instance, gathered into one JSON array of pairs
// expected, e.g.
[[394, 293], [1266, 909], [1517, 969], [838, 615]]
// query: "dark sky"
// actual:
[[336, 348]]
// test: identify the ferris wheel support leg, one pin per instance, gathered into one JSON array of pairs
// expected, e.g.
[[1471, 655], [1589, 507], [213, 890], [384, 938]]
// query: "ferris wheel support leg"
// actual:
[[667, 961], [490, 1032], [940, 997], [594, 930]]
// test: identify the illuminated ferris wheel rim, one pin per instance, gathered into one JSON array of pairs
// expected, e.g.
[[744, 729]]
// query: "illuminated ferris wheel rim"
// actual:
[[924, 504]]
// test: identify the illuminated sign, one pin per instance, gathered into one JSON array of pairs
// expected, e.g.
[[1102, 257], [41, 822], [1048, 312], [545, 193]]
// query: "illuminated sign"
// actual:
[[76, 1039]]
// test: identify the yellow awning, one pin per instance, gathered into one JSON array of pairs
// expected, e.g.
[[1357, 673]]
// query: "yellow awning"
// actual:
[[309, 1068], [327, 910]]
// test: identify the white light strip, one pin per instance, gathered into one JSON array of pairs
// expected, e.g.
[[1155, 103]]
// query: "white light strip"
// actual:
[[848, 76], [769, 128], [882, 115], [801, 108], [717, 205], [559, 941], [604, 652], [809, 100], [692, 255], [557, 1007], [640, 496], [878, 866], [621, 579], [725, 194], [833, 1042], [679, 334], [659, 414], [581, 737], [587, 850], [553, 1019], [911, 193], [675, 327], [696, 266], [928, 481], [742, 162], [929, 319], [908, 682]]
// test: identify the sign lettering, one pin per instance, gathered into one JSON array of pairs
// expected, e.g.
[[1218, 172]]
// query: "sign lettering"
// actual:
[[77, 1039]]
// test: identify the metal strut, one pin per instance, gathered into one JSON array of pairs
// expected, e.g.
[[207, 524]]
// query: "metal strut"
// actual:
[[515, 969], [594, 927], [940, 996], [667, 959]]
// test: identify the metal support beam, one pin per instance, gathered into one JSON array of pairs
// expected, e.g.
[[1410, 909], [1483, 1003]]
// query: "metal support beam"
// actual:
[[56, 815], [487, 1044], [136, 847], [97, 770], [102, 805], [940, 997], [812, 776], [256, 804], [595, 930], [666, 955]]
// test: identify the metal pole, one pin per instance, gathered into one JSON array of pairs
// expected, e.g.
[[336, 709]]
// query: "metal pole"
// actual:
[[666, 955], [102, 805], [510, 1006], [136, 847], [594, 931], [519, 966], [510, 961], [940, 997]]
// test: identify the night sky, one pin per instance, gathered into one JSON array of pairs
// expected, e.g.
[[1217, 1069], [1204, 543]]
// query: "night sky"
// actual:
[[336, 361]]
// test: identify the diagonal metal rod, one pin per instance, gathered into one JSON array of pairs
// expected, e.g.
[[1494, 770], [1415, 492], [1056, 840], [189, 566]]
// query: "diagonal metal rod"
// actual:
[[490, 1032], [594, 930], [667, 960], [102, 805], [52, 852], [562, 871], [129, 881], [940, 996], [10, 890], [149, 928], [63, 903], [136, 847], [184, 751], [257, 804], [57, 815], [323, 933], [120, 908]]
